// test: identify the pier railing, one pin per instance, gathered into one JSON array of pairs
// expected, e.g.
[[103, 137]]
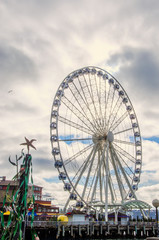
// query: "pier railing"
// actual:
[[92, 228], [76, 223]]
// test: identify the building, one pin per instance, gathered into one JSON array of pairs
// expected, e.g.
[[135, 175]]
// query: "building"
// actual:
[[45, 209], [77, 216], [118, 217], [41, 207], [14, 185]]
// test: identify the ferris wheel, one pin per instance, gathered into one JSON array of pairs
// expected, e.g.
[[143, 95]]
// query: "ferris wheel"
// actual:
[[95, 138]]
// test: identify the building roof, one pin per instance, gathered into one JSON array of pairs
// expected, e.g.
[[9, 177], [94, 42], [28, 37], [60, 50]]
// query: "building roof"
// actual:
[[132, 204], [74, 211], [46, 204], [136, 204], [6, 182]]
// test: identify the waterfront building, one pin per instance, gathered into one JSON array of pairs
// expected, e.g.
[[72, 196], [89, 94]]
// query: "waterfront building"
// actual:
[[118, 217], [42, 207], [45, 209], [77, 216], [14, 185]]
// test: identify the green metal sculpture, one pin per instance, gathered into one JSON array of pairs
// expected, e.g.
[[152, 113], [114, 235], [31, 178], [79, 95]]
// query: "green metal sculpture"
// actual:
[[14, 228]]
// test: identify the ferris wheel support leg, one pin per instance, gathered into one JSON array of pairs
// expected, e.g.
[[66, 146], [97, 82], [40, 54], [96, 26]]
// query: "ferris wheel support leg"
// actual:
[[124, 174], [128, 183], [90, 168], [106, 187], [112, 192], [111, 188], [99, 169], [116, 174]]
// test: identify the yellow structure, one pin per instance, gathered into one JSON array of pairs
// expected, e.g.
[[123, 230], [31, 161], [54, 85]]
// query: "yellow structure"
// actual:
[[6, 213], [62, 218]]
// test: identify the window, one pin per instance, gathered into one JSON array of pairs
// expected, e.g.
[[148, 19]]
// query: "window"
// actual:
[[39, 209]]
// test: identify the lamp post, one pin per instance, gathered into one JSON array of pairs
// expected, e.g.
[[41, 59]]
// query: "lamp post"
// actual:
[[155, 203]]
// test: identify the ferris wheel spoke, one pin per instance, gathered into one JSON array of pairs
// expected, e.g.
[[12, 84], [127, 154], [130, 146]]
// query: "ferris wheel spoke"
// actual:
[[99, 100], [115, 105], [77, 113], [125, 130], [74, 139], [119, 182], [75, 125], [124, 174], [91, 95], [85, 100], [82, 112], [102, 116], [116, 113], [81, 170], [89, 172], [110, 111], [87, 107], [67, 161], [124, 153], [106, 105], [124, 142], [127, 166], [119, 121]]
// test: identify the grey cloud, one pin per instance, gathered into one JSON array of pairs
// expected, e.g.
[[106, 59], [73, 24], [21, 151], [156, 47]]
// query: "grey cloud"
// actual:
[[138, 73], [15, 66], [154, 115], [140, 68], [43, 164], [18, 107]]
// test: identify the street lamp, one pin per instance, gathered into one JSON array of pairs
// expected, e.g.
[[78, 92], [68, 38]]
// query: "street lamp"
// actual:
[[155, 203]]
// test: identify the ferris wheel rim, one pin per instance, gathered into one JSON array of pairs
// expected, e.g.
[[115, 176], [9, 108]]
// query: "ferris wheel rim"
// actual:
[[66, 81]]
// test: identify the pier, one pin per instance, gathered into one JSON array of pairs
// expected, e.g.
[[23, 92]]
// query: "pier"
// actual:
[[52, 229]]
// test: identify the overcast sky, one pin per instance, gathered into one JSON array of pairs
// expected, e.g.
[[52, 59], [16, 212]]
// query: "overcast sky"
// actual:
[[41, 42]]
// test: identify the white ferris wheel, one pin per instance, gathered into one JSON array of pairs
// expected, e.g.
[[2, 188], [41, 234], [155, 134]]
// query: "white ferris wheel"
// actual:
[[95, 139]]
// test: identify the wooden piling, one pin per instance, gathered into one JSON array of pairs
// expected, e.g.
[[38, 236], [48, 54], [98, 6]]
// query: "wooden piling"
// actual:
[[79, 230], [87, 229], [63, 230], [128, 229], [119, 229], [58, 231], [101, 229], [71, 230]]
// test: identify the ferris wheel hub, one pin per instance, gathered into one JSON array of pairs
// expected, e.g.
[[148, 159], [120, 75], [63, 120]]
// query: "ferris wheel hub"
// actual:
[[101, 139], [110, 136]]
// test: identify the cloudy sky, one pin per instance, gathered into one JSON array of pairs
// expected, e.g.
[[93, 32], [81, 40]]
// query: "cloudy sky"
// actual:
[[41, 42]]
